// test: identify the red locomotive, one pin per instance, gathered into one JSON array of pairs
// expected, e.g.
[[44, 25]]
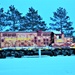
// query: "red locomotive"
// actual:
[[23, 39], [23, 42]]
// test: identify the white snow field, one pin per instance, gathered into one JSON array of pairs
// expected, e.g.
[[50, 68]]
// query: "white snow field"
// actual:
[[58, 65]]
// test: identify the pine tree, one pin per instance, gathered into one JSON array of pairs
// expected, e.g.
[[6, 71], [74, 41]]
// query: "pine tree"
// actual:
[[69, 30], [13, 17], [61, 22], [22, 24], [33, 21], [2, 19]]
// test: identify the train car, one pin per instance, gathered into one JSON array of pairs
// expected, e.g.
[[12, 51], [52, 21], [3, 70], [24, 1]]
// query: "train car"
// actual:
[[23, 39], [18, 44]]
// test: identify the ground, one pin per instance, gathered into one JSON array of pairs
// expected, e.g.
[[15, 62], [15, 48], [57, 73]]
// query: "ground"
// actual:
[[45, 65]]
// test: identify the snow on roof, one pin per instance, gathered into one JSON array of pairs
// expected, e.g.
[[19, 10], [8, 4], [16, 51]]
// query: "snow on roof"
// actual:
[[57, 32], [54, 31]]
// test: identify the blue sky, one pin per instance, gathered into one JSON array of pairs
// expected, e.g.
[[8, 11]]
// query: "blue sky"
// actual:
[[45, 7]]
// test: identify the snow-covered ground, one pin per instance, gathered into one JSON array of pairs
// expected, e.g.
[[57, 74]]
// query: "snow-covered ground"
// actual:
[[58, 65]]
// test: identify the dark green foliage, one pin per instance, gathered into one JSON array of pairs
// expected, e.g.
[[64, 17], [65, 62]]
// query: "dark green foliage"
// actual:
[[13, 17], [30, 22], [2, 19], [12, 20], [74, 39], [22, 24], [61, 22], [33, 21]]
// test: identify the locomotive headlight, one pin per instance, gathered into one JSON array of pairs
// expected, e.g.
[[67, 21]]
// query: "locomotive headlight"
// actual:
[[46, 48], [29, 48], [17, 48], [0, 48]]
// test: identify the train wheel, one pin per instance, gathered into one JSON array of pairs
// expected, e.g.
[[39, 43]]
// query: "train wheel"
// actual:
[[69, 54], [74, 52], [0, 55], [55, 54], [51, 53], [21, 53], [64, 53], [17, 54], [3, 55], [32, 52]]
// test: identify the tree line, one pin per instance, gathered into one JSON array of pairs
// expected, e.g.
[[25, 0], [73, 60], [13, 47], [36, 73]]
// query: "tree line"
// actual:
[[13, 20]]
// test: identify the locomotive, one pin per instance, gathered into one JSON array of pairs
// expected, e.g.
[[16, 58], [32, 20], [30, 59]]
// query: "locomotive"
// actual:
[[19, 44]]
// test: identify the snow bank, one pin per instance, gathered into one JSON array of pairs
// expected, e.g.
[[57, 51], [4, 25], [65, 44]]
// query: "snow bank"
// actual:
[[59, 65]]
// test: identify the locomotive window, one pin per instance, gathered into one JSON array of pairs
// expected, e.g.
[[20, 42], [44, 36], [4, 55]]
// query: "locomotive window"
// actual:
[[47, 39], [13, 34], [39, 34], [43, 39], [32, 40], [46, 34], [46, 43], [22, 43], [2, 40], [35, 41], [9, 34], [4, 34], [59, 36], [35, 37], [38, 40]]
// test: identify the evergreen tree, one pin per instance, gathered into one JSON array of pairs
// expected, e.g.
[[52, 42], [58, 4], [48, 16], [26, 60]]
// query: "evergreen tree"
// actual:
[[13, 18], [22, 24], [74, 39], [2, 19], [61, 22], [33, 21], [69, 30]]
